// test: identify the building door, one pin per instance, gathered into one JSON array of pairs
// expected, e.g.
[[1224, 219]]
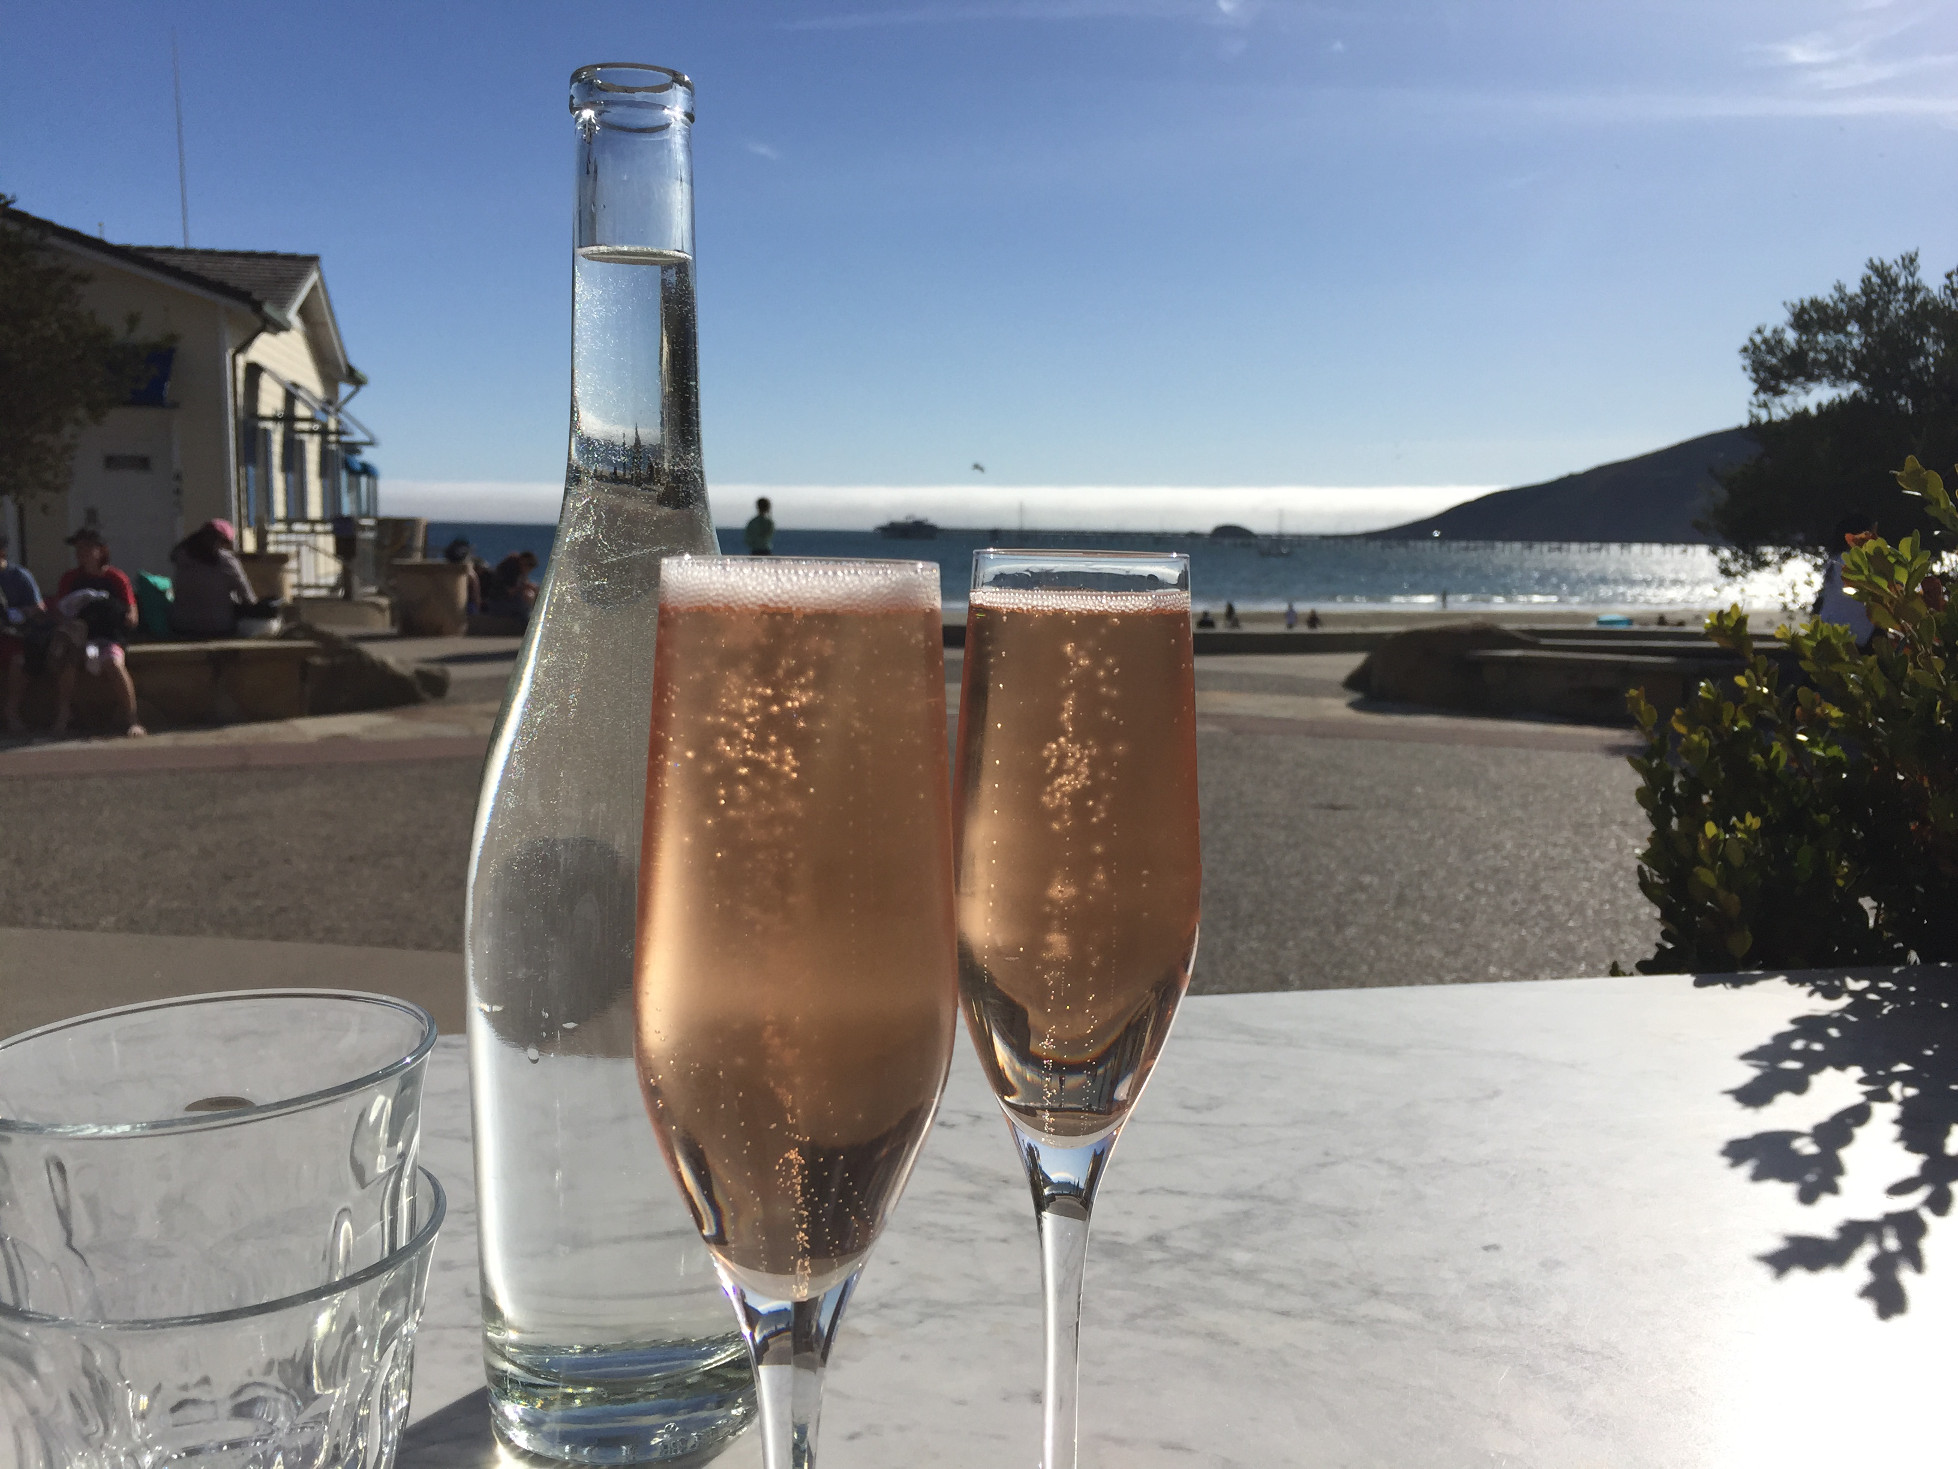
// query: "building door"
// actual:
[[126, 483]]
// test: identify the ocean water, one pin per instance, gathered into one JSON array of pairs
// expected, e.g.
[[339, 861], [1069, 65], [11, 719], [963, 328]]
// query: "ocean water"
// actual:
[[1320, 571]]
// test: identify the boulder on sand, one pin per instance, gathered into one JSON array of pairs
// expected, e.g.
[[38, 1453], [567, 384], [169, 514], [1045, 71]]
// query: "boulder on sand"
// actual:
[[1428, 665], [344, 678]]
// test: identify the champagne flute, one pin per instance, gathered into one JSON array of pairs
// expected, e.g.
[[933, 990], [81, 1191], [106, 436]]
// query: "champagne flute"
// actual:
[[1078, 876], [795, 975]]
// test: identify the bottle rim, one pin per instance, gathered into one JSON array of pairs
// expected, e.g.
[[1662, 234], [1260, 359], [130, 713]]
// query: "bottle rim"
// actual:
[[631, 83]]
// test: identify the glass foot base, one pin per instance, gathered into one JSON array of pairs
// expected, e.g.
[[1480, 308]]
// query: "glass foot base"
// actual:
[[665, 1405]]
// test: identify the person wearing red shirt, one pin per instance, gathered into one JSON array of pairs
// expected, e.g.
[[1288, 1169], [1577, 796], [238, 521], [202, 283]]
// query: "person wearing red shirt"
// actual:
[[107, 619]]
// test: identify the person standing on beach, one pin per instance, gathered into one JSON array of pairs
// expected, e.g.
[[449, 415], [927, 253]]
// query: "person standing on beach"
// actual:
[[760, 531], [1833, 602], [1291, 616]]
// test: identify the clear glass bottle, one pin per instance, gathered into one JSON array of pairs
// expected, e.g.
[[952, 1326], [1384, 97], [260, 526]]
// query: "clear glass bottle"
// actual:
[[606, 1335]]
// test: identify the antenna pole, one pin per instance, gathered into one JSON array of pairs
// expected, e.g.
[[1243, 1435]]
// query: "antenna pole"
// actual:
[[183, 182]]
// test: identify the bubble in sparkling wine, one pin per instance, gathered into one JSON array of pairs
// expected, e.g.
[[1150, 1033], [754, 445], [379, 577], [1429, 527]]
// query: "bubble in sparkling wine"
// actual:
[[1076, 925]]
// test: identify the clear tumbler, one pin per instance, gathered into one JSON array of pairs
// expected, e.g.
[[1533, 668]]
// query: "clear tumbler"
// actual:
[[315, 1380], [213, 1238], [208, 1153]]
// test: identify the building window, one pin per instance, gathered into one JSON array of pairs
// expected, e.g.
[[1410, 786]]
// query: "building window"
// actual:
[[292, 459], [268, 510], [137, 462]]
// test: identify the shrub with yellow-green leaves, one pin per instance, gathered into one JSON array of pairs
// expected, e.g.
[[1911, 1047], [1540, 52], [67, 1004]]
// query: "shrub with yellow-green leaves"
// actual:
[[1811, 820]]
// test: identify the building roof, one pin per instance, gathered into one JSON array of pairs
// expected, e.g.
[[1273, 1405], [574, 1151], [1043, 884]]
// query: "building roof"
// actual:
[[124, 255], [271, 278], [272, 283]]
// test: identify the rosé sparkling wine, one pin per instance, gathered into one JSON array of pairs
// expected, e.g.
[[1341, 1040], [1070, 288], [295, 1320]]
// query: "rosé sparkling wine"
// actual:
[[1077, 922], [1078, 877], [796, 979]]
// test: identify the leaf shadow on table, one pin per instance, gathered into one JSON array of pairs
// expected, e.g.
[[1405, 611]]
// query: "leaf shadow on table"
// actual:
[[1894, 1032]]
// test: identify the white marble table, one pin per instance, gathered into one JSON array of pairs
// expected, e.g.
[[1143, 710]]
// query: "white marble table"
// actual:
[[1474, 1224]]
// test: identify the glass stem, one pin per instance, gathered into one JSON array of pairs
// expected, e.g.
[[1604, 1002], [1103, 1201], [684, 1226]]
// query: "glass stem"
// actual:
[[1064, 1179], [789, 1342]]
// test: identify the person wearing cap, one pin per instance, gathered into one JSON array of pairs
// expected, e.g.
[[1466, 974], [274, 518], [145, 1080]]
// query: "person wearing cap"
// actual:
[[208, 583], [97, 607], [20, 610]]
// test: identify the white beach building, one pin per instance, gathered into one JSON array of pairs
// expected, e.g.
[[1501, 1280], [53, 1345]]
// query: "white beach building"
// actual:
[[243, 416]]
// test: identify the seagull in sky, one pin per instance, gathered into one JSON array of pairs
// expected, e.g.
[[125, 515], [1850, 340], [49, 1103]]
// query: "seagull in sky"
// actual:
[[978, 466]]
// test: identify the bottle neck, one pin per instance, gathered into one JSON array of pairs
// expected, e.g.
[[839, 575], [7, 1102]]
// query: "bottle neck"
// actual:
[[635, 159], [635, 414]]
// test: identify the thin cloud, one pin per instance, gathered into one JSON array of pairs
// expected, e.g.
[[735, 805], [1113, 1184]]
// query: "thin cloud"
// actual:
[[1632, 106], [1857, 52], [1664, 108], [1817, 48], [764, 150], [1206, 12], [1300, 509]]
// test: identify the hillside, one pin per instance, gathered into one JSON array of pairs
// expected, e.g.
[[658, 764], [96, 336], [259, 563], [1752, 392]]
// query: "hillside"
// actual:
[[1654, 497]]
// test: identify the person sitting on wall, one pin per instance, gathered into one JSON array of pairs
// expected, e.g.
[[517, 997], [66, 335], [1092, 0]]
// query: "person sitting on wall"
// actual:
[[23, 632], [209, 588], [96, 608], [511, 592], [460, 553], [1205, 620]]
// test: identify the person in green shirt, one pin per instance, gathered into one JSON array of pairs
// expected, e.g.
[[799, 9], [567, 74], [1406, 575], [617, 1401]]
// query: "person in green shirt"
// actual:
[[760, 533]]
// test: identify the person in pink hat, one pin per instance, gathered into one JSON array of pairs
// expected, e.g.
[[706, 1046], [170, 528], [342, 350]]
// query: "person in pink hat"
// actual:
[[209, 585]]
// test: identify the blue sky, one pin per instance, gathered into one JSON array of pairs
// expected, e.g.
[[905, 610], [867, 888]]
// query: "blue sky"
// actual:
[[1223, 243]]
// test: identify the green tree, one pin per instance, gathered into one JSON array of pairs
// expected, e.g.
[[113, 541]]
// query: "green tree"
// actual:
[[60, 368], [1851, 383]]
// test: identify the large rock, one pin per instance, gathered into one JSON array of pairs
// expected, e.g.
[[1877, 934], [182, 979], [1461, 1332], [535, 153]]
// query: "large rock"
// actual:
[[1430, 665], [343, 677]]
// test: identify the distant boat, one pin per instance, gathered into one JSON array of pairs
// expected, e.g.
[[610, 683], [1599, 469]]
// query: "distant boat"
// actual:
[[1278, 545], [911, 528]]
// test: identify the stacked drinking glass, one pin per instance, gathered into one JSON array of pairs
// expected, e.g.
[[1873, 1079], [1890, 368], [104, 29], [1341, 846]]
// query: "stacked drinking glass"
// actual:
[[214, 1236]]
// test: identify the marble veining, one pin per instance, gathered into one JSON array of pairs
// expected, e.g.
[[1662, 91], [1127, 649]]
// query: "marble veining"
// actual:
[[1398, 1227]]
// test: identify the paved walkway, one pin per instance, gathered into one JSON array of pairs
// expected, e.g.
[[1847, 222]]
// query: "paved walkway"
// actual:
[[1298, 695], [1344, 846]]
